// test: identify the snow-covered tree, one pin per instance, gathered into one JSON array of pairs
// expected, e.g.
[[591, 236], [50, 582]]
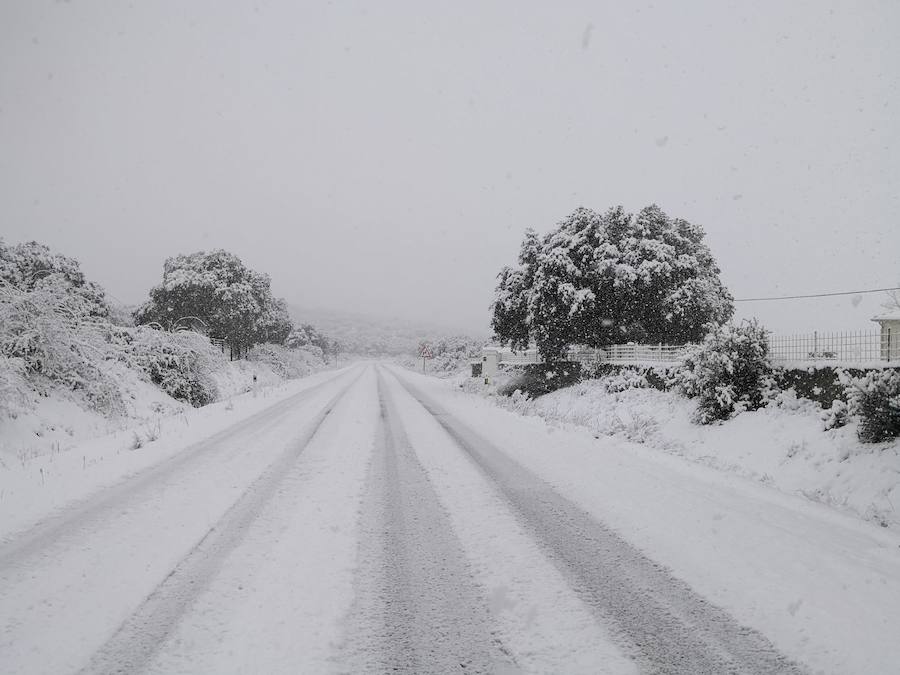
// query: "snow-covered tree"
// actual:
[[28, 265], [217, 292], [600, 279], [307, 335]]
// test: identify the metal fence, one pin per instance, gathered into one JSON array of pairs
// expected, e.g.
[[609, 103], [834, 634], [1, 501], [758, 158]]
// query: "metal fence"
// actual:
[[844, 347], [859, 347]]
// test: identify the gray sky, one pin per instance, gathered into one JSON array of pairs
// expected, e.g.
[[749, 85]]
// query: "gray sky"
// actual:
[[386, 157]]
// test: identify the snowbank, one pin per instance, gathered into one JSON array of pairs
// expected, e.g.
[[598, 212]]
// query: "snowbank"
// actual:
[[783, 446], [58, 420], [87, 452]]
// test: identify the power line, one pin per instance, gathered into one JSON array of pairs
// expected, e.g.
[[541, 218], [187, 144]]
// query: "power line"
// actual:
[[820, 295]]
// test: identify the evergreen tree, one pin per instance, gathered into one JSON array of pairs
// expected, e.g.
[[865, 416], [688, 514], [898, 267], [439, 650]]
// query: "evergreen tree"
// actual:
[[217, 291], [599, 279]]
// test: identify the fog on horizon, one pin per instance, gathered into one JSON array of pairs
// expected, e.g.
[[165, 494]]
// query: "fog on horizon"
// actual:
[[387, 160]]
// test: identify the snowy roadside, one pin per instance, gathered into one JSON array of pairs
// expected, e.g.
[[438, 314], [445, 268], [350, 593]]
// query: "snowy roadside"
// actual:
[[783, 446], [824, 587], [32, 487]]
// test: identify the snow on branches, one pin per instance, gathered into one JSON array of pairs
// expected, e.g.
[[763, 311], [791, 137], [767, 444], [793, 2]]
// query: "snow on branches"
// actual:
[[216, 293], [728, 372], [600, 279], [30, 265]]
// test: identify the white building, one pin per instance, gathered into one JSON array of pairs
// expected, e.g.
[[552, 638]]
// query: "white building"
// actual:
[[890, 334]]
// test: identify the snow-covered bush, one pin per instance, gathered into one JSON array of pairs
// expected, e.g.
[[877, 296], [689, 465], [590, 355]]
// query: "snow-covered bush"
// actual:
[[449, 355], [836, 416], [182, 364], [56, 337], [15, 394], [729, 372], [876, 399], [539, 379], [634, 426], [617, 377], [25, 267], [626, 378], [287, 363], [450, 363]]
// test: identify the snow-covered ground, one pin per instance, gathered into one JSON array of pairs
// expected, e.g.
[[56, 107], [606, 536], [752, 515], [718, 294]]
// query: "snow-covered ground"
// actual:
[[372, 519], [823, 586], [784, 445], [59, 419], [34, 484]]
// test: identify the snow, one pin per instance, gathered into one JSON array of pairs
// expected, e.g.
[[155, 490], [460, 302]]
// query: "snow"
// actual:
[[77, 453], [783, 446], [293, 561], [70, 582], [824, 587], [236, 542], [538, 617]]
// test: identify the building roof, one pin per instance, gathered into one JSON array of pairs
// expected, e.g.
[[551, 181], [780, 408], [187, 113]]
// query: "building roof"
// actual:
[[890, 315]]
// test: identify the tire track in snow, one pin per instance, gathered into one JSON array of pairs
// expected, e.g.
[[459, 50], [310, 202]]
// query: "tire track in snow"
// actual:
[[134, 644], [667, 626], [418, 608], [70, 523]]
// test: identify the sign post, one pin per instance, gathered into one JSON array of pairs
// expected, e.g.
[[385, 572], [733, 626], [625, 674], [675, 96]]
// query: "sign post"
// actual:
[[425, 353]]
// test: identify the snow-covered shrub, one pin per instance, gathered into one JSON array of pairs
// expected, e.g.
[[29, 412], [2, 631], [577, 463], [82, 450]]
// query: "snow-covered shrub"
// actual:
[[729, 372], [821, 383], [15, 394], [626, 378], [539, 379], [56, 335], [634, 426], [182, 364], [287, 363], [876, 399], [616, 377], [25, 266], [520, 402], [450, 355], [836, 416], [787, 399]]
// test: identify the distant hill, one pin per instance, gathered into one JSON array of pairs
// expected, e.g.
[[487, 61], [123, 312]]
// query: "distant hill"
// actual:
[[366, 334]]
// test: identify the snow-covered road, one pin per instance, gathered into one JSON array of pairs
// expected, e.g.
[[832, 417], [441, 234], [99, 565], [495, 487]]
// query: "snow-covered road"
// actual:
[[381, 521]]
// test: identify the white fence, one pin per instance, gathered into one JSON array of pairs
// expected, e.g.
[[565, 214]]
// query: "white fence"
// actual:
[[627, 353], [633, 353], [847, 348]]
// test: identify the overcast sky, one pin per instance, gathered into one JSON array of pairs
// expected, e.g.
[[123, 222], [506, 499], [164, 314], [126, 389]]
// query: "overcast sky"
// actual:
[[387, 157]]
